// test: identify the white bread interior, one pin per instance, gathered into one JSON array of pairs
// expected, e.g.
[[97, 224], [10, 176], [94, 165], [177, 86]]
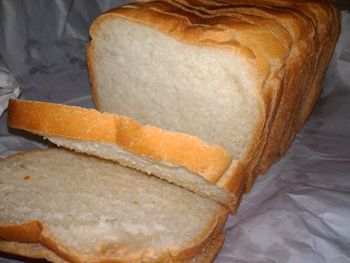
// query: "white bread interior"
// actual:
[[95, 210], [165, 170], [155, 79]]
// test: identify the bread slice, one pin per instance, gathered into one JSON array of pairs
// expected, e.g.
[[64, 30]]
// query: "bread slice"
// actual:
[[243, 75], [38, 251], [178, 158], [86, 209]]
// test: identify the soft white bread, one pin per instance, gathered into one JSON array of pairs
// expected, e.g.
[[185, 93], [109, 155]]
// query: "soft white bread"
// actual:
[[178, 158], [86, 209], [240, 74]]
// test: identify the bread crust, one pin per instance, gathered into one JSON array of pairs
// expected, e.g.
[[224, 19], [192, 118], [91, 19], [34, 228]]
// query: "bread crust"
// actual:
[[30, 250], [28, 232], [92, 79], [37, 232], [289, 42], [302, 84]]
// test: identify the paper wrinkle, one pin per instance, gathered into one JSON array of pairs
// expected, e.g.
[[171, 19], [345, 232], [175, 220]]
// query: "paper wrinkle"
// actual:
[[298, 212], [9, 88]]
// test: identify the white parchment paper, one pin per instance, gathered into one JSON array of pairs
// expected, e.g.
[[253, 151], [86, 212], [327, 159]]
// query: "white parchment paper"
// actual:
[[298, 212], [9, 88]]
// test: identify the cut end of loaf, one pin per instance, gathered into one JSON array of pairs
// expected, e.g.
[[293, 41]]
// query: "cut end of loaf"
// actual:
[[156, 79], [29, 250]]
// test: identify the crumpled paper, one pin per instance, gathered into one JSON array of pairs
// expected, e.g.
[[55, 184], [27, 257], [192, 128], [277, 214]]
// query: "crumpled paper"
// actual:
[[298, 212], [9, 88]]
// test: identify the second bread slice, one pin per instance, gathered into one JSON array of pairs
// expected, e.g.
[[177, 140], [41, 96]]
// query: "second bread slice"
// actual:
[[176, 157]]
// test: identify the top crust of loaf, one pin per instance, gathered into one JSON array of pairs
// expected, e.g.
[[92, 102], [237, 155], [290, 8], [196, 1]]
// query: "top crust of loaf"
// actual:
[[87, 124]]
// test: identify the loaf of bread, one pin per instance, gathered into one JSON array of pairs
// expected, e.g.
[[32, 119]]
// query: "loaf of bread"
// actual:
[[85, 209], [243, 75], [178, 158]]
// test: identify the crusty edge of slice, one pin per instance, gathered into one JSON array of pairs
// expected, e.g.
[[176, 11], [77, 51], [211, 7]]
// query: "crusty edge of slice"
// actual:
[[190, 152], [210, 251], [30, 250]]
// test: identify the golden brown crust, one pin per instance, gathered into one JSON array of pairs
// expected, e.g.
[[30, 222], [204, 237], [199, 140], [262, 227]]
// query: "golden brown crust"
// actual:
[[25, 232], [295, 80], [303, 81], [92, 75], [289, 89], [48, 119], [235, 182]]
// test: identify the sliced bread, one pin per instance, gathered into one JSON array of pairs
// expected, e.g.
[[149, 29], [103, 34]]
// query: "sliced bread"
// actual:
[[86, 209], [243, 75], [178, 158]]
